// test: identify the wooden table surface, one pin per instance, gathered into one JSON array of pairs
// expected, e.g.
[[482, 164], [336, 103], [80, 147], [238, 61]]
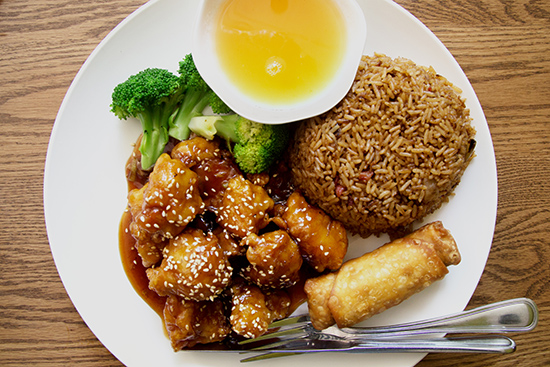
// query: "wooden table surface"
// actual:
[[502, 45]]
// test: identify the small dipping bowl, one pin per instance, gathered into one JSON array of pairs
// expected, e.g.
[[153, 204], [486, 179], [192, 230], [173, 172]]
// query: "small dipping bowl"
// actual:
[[210, 65]]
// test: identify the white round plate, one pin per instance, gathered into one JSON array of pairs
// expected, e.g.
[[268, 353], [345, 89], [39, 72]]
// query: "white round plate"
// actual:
[[85, 188]]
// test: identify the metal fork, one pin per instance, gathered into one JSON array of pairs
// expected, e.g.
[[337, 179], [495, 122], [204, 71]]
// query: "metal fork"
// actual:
[[297, 335]]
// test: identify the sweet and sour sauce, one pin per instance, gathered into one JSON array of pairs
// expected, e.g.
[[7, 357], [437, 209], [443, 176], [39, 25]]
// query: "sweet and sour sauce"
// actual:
[[280, 51]]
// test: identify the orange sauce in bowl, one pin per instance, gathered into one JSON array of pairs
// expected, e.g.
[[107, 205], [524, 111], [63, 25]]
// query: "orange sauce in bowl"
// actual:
[[280, 51]]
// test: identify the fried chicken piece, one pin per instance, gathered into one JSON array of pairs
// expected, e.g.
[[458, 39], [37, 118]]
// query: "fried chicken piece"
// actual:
[[163, 207], [322, 241], [278, 302], [250, 316], [190, 322], [194, 151], [274, 258], [229, 244], [148, 245], [244, 207], [215, 174], [214, 166], [194, 267], [260, 179], [251, 313]]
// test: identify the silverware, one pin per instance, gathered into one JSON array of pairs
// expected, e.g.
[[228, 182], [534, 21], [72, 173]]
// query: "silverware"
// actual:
[[495, 344], [296, 334]]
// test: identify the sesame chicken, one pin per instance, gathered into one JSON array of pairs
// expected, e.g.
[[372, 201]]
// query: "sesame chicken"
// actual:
[[190, 322], [211, 251], [163, 207], [215, 174], [193, 151], [228, 243], [148, 245], [278, 302], [274, 258], [251, 313], [322, 241], [260, 179], [213, 166], [250, 316], [245, 207], [194, 267]]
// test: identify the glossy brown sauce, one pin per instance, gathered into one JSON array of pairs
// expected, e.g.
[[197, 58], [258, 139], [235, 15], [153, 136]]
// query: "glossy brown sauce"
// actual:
[[135, 271]]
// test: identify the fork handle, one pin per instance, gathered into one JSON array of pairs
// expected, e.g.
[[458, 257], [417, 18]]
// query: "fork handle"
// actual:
[[514, 315], [493, 344]]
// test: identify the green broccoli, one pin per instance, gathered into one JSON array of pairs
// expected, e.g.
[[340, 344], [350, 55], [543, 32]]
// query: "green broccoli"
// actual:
[[256, 146], [198, 95], [152, 96], [168, 105]]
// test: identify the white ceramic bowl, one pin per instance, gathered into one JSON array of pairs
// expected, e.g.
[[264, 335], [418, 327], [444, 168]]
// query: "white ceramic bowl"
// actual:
[[209, 66]]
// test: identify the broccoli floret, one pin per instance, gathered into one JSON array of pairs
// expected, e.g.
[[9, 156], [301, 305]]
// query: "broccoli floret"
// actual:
[[198, 95], [256, 146], [151, 96]]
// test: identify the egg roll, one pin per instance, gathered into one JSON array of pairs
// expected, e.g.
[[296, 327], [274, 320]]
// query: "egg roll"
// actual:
[[381, 279], [442, 241], [318, 293]]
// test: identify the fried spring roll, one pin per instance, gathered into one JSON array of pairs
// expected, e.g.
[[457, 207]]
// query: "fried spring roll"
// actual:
[[318, 293], [442, 241], [381, 279]]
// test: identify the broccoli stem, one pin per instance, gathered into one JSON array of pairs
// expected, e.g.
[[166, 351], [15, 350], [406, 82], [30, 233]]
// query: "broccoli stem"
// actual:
[[227, 127], [192, 105], [155, 135], [222, 125]]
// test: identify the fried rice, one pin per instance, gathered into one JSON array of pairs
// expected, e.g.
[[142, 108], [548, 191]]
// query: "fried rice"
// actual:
[[390, 153]]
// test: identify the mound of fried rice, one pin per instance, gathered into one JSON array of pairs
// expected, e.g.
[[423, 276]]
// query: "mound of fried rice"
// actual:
[[391, 152]]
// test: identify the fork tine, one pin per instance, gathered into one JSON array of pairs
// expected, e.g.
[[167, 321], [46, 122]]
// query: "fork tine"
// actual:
[[295, 331], [289, 321], [277, 344]]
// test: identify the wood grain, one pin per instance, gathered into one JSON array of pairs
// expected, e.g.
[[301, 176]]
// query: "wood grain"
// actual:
[[502, 45]]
